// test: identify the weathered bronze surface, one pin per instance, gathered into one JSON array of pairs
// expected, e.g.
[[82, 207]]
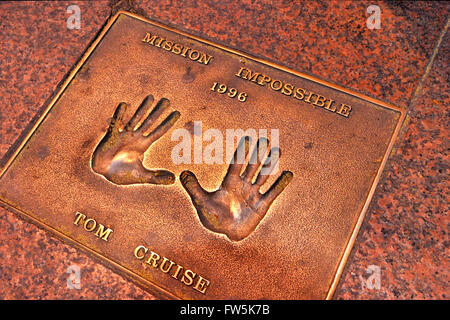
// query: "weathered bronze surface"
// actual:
[[97, 168]]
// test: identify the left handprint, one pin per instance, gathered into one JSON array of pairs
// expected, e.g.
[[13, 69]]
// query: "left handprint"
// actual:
[[118, 157]]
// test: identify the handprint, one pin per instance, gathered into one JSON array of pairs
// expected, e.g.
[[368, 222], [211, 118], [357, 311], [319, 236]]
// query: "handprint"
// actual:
[[237, 207], [119, 155]]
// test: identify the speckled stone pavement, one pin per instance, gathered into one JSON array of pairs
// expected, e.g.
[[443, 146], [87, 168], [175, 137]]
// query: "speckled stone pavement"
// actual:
[[405, 63]]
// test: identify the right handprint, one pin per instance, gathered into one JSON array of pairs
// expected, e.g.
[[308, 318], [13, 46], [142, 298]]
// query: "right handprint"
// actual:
[[237, 207]]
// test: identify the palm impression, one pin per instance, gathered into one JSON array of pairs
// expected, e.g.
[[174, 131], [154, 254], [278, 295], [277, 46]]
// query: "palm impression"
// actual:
[[237, 207], [119, 155]]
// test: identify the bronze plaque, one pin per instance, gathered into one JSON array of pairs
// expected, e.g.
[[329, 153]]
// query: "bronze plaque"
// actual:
[[201, 172]]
